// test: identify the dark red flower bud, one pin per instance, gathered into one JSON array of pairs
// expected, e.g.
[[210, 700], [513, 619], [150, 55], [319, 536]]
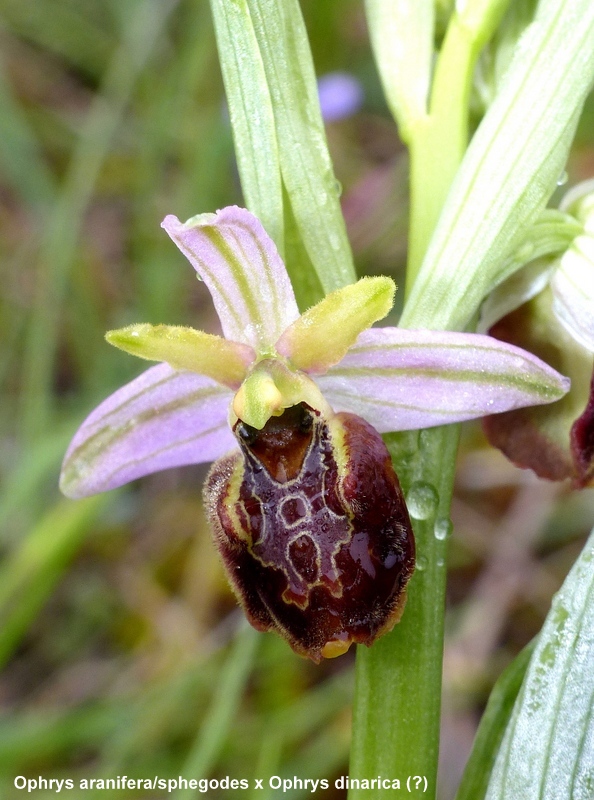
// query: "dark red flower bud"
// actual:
[[313, 530]]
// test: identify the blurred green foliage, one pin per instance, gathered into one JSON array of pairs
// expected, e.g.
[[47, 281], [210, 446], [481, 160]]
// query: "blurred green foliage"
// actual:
[[122, 648], [121, 645]]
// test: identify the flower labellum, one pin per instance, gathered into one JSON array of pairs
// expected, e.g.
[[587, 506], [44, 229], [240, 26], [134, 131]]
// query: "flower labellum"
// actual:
[[306, 509], [312, 527]]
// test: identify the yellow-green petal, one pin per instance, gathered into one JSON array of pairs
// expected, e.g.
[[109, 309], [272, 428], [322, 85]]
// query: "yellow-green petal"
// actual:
[[182, 348], [321, 337]]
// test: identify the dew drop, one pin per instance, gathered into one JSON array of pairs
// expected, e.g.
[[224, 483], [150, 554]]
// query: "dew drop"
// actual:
[[421, 564], [422, 500], [563, 178], [443, 528]]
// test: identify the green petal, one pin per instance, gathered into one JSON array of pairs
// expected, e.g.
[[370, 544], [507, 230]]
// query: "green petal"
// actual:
[[321, 337], [186, 349]]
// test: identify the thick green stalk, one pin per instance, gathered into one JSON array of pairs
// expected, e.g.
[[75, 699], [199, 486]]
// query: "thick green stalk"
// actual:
[[398, 685], [438, 144], [398, 681]]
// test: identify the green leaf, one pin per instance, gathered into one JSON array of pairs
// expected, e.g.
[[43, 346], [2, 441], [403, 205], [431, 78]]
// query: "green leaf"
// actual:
[[218, 721], [552, 233], [492, 727], [252, 118], [305, 162], [547, 752], [304, 278], [510, 168], [501, 50], [402, 39], [437, 145]]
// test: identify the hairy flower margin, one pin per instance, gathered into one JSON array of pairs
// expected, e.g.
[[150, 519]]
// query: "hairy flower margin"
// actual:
[[548, 308], [178, 412]]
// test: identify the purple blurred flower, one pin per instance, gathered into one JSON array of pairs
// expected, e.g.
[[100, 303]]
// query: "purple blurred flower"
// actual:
[[271, 358], [340, 95]]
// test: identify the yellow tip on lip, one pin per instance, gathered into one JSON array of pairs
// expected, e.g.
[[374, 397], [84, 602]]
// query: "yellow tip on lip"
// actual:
[[335, 648]]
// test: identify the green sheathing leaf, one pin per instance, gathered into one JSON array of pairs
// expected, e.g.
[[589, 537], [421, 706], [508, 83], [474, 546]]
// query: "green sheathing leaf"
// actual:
[[500, 52], [492, 727], [305, 280], [510, 168], [402, 38], [252, 118], [305, 162], [548, 749]]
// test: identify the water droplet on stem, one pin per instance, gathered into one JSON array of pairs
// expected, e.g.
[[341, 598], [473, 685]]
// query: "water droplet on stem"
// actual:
[[421, 564], [422, 500], [443, 528]]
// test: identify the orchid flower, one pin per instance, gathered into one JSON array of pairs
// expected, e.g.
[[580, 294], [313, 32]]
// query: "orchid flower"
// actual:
[[548, 308], [306, 509]]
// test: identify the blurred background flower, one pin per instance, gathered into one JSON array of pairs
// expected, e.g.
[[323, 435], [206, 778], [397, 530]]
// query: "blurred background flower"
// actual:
[[340, 94]]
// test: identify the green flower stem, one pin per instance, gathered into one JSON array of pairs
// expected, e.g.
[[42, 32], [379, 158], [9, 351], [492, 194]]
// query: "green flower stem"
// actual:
[[439, 140], [398, 680], [436, 148]]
